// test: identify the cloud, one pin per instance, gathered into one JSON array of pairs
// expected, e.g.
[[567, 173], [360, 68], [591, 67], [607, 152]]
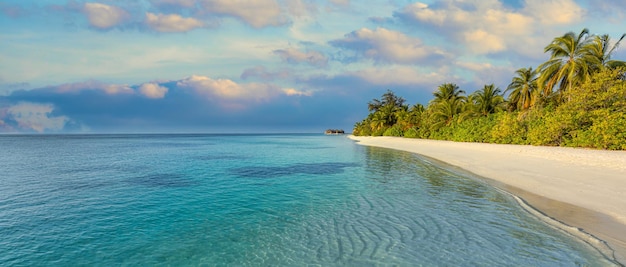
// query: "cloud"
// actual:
[[31, 117], [110, 89], [258, 14], [388, 46], [228, 90], [341, 2], [400, 75], [153, 90], [171, 23], [103, 16], [312, 57], [300, 8], [551, 12], [295, 92], [180, 3], [260, 72], [482, 73], [12, 11], [220, 88], [488, 26]]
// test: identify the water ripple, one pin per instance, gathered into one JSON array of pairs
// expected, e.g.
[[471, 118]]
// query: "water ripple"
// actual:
[[326, 168]]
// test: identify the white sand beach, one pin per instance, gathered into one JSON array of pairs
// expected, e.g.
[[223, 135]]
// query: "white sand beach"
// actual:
[[582, 188]]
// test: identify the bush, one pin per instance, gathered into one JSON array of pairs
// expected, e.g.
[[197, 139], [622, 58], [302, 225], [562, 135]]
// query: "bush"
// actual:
[[395, 130], [508, 128], [411, 133]]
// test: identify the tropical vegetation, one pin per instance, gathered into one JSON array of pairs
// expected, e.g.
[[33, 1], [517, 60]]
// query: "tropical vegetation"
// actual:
[[576, 98]]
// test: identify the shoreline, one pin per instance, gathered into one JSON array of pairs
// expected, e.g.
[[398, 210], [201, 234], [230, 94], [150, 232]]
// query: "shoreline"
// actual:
[[580, 188]]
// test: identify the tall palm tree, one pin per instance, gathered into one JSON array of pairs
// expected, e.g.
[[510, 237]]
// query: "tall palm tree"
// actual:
[[387, 99], [488, 100], [449, 101], [378, 121], [444, 112], [523, 89], [602, 49], [571, 62], [448, 91]]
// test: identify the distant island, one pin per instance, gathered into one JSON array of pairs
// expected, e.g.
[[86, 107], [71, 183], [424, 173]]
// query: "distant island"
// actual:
[[577, 98], [334, 131]]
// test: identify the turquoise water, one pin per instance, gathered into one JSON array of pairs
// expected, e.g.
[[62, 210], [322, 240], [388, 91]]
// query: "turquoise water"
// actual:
[[256, 200]]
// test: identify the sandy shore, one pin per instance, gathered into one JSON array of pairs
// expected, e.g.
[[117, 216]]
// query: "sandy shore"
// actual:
[[579, 187]]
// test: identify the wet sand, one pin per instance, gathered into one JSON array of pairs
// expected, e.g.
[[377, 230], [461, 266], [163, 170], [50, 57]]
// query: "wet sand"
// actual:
[[582, 188]]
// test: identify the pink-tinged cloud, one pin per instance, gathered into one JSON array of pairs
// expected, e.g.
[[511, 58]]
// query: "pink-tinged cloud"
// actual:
[[227, 89], [32, 117], [383, 45], [103, 16], [312, 57], [153, 90], [256, 13], [110, 89], [295, 92], [171, 23]]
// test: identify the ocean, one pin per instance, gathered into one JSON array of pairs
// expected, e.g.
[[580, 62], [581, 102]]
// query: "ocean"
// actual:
[[257, 200]]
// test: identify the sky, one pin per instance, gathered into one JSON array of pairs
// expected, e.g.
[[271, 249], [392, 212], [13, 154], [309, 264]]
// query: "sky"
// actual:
[[257, 66]]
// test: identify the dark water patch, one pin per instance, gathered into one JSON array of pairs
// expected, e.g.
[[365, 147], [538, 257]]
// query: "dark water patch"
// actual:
[[169, 180], [326, 168]]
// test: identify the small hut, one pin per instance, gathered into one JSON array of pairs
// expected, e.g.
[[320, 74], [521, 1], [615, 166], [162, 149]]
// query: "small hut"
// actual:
[[334, 131]]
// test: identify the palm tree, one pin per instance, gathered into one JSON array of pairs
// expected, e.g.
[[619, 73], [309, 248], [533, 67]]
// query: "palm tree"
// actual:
[[448, 91], [571, 62], [448, 102], [410, 118], [388, 99], [445, 111], [488, 100], [378, 121], [601, 48], [523, 89]]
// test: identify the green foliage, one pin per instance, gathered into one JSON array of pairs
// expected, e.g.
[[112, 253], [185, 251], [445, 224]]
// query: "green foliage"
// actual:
[[509, 128], [395, 130], [577, 98], [411, 133]]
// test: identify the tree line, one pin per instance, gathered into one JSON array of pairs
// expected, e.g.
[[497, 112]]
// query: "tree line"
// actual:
[[576, 98]]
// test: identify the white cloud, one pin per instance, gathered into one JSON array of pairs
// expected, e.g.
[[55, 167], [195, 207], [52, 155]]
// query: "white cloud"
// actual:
[[401, 75], [110, 89], [295, 92], [292, 55], [481, 73], [473, 66], [35, 117], [487, 26], [181, 3], [171, 23], [552, 12], [383, 45], [258, 13], [228, 89], [153, 90], [104, 16]]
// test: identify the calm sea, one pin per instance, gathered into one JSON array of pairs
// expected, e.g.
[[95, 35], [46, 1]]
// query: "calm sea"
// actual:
[[256, 200]]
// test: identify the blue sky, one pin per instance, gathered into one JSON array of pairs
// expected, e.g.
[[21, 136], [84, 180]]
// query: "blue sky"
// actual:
[[264, 65]]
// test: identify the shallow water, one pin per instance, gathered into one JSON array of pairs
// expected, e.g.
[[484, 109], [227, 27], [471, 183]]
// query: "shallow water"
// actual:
[[240, 200]]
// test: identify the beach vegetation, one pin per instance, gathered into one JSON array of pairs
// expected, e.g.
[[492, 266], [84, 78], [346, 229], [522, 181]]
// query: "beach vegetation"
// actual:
[[577, 98]]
